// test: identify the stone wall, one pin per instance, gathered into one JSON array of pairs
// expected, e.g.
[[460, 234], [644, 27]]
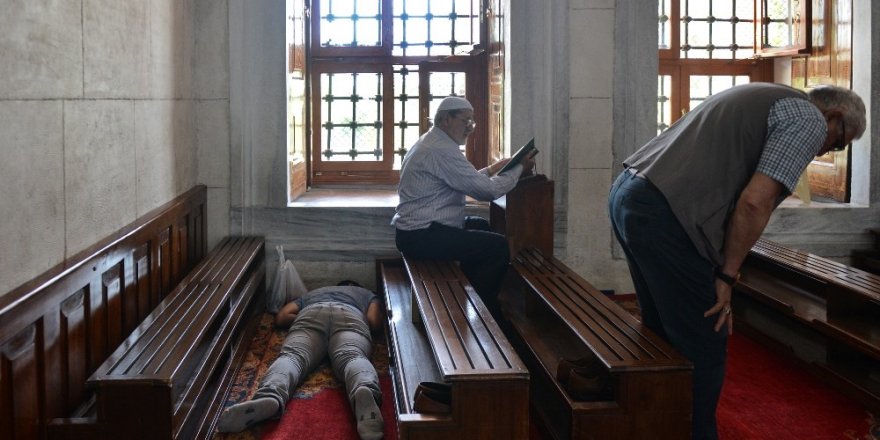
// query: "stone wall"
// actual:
[[107, 110]]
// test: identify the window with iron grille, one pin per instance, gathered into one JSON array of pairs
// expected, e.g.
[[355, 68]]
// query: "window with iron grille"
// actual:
[[378, 68], [705, 46]]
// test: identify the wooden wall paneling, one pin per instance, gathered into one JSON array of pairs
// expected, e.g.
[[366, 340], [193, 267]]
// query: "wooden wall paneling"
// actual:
[[52, 348], [19, 372], [74, 345], [97, 324], [163, 261], [56, 329], [130, 306], [181, 256], [111, 292], [143, 281], [819, 62], [830, 63]]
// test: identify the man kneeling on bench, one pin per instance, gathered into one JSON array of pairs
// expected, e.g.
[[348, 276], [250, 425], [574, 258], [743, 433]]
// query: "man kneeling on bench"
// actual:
[[334, 321]]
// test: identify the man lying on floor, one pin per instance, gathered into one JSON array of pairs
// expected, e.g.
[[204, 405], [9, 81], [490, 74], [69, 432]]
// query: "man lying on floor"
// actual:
[[334, 321]]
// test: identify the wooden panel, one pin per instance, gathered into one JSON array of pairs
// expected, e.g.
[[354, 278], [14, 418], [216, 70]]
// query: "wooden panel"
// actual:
[[56, 328], [525, 215], [453, 342], [829, 62], [111, 292], [156, 384], [143, 281], [412, 361], [620, 341], [181, 263], [825, 314], [465, 339], [164, 260], [650, 385], [74, 343], [19, 372]]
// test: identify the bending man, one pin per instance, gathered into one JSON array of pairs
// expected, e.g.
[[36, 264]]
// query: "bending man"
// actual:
[[693, 201]]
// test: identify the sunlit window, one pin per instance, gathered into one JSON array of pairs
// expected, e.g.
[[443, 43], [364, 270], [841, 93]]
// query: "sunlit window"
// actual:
[[377, 76], [705, 46]]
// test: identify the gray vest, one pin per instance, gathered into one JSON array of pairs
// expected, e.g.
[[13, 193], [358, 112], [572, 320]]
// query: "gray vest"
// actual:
[[704, 160]]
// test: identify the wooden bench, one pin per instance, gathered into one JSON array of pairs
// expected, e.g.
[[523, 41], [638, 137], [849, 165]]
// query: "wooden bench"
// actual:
[[168, 379], [440, 331], [56, 329], [556, 314], [136, 337], [823, 312]]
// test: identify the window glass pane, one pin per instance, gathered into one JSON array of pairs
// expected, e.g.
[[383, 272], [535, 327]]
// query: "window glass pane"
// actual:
[[711, 29], [435, 28], [443, 84], [704, 86], [406, 110], [664, 103], [664, 31], [781, 23], [351, 23], [351, 110]]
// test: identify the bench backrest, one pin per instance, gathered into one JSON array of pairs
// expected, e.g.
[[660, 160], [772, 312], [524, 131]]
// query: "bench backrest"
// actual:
[[618, 339], [56, 329], [466, 340], [178, 347], [822, 269]]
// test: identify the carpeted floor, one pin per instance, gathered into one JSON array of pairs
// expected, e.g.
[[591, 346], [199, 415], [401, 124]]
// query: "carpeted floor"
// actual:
[[319, 408], [758, 402], [768, 396]]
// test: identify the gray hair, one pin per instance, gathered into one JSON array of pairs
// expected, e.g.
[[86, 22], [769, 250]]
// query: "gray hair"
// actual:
[[847, 102]]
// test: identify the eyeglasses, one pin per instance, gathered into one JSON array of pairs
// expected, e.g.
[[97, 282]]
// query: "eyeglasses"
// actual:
[[841, 143], [468, 121]]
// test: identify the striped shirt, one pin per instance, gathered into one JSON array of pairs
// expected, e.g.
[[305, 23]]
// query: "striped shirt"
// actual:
[[436, 177], [796, 130]]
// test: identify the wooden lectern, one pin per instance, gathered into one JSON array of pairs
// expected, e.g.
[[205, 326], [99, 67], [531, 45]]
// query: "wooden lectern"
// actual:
[[525, 215]]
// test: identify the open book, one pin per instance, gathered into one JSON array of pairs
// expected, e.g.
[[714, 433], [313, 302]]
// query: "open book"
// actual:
[[527, 150]]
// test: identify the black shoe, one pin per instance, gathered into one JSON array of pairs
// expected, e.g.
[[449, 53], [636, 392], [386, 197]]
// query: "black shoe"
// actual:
[[584, 379], [433, 398]]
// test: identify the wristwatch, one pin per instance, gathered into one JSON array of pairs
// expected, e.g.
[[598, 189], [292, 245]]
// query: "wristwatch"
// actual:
[[730, 280]]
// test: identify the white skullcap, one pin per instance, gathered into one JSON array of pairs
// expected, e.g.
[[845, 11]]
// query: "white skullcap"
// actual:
[[454, 103]]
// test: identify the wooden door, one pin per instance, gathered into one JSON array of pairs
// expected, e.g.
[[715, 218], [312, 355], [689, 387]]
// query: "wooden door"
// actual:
[[829, 62]]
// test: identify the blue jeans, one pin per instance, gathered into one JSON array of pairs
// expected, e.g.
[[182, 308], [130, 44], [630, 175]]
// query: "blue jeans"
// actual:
[[322, 329], [675, 285]]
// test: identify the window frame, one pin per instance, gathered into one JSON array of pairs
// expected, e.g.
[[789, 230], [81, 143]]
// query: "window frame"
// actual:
[[373, 59], [682, 69]]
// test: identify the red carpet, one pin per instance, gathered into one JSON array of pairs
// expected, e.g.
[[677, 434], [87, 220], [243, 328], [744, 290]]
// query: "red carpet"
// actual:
[[327, 415], [768, 396], [765, 396]]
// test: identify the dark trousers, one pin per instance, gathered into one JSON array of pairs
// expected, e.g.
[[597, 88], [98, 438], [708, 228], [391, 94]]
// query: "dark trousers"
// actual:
[[675, 285], [483, 255]]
